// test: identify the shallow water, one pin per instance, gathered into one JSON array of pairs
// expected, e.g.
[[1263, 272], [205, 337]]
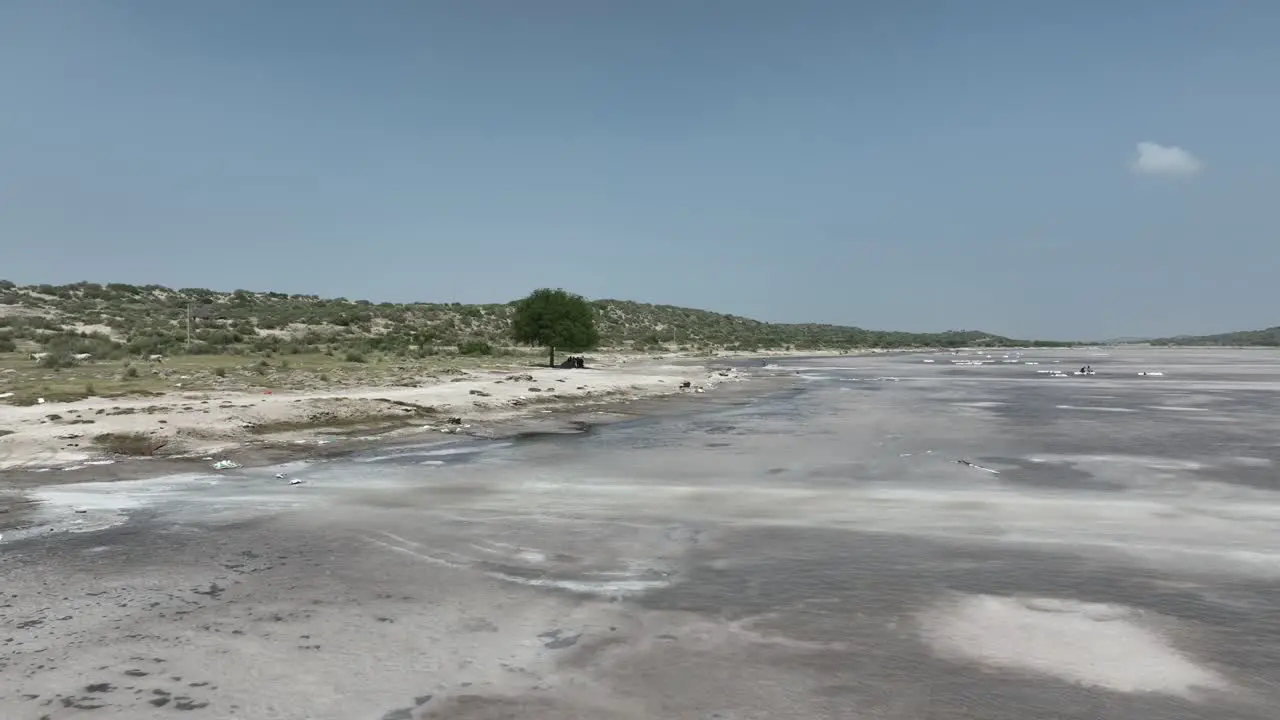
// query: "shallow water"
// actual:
[[815, 553]]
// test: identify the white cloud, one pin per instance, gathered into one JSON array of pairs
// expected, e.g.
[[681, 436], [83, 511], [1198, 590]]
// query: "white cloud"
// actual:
[[1165, 161]]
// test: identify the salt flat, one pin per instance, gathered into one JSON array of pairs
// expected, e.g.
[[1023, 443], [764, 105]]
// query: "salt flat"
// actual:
[[816, 552]]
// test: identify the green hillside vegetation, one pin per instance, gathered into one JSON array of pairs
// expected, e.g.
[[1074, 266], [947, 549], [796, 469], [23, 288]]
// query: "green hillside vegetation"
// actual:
[[1269, 337], [116, 321]]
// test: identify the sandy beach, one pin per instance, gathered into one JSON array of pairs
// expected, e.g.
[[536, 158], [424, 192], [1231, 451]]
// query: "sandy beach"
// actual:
[[68, 435]]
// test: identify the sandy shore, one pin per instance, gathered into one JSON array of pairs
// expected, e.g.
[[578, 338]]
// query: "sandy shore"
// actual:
[[207, 424]]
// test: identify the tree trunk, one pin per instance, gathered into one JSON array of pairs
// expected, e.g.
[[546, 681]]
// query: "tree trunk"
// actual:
[[553, 357]]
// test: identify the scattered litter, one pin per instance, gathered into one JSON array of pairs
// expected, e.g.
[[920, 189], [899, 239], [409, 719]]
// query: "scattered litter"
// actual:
[[1150, 374], [978, 467], [226, 465], [928, 360]]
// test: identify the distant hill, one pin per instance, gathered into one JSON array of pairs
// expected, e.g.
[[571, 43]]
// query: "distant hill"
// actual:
[[115, 320], [1269, 337]]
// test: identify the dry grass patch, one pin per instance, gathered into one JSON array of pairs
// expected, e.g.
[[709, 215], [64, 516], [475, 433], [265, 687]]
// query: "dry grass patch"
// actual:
[[134, 444], [390, 414]]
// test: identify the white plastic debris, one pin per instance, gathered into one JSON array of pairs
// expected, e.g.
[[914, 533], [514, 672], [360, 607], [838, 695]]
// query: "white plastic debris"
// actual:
[[226, 465], [39, 401], [279, 476], [295, 481], [1150, 374]]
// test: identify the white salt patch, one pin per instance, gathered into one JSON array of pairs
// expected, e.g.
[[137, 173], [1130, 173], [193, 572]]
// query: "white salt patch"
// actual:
[[622, 588], [1252, 461], [532, 556], [85, 497], [1087, 643], [1096, 409], [410, 453]]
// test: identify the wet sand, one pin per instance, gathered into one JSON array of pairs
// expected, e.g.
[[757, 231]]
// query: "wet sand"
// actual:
[[814, 551]]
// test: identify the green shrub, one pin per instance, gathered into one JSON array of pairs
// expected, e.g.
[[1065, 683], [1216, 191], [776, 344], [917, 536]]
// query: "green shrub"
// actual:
[[475, 347]]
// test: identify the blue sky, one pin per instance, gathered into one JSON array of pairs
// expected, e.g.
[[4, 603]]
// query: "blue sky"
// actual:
[[907, 164]]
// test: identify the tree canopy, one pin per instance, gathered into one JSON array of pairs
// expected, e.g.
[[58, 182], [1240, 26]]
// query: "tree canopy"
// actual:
[[555, 319]]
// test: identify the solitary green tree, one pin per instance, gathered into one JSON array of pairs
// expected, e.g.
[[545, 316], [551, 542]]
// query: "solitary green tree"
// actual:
[[555, 319]]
